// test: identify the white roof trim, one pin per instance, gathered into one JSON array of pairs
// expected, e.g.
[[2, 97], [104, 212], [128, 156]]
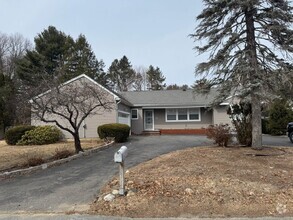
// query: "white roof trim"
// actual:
[[124, 112], [224, 103], [77, 78]]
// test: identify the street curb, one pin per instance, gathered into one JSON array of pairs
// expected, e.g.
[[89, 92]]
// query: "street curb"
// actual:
[[60, 216], [14, 173]]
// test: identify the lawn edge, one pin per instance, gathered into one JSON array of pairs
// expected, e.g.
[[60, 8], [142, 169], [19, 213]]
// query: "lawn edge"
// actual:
[[14, 173]]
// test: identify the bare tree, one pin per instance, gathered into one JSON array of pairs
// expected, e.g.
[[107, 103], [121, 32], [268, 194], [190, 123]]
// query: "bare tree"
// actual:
[[14, 107], [4, 46], [140, 80], [68, 105], [12, 48], [18, 45]]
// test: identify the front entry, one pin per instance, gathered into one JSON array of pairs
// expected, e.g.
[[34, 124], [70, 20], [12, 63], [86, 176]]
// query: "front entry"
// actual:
[[149, 120]]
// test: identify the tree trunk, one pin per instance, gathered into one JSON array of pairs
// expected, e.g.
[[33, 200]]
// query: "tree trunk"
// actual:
[[256, 123], [77, 144], [255, 98]]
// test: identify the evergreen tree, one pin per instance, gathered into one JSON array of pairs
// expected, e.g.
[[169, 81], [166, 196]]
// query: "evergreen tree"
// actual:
[[82, 60], [121, 74], [51, 49], [155, 78], [173, 87], [7, 101], [280, 113], [248, 41], [57, 55], [177, 87]]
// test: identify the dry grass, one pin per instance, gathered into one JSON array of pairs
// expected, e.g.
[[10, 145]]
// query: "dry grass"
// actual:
[[206, 182], [13, 157]]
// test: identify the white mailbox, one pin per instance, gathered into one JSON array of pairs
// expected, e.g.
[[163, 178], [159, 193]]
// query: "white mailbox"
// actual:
[[121, 154], [119, 157]]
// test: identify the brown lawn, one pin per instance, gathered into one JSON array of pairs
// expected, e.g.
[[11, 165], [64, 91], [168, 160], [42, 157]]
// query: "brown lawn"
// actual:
[[14, 157], [206, 182]]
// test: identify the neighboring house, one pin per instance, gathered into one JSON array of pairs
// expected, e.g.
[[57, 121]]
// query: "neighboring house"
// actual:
[[161, 112]]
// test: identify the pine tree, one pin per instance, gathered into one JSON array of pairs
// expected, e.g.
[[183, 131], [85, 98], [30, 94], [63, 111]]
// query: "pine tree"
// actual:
[[7, 99], [177, 87], [173, 87], [155, 78], [280, 113], [121, 74], [248, 41], [57, 55], [80, 59]]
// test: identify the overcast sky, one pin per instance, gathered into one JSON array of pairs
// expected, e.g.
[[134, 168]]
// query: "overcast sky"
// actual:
[[148, 32]]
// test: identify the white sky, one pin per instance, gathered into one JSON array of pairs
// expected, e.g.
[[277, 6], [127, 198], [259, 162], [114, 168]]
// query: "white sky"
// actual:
[[148, 32]]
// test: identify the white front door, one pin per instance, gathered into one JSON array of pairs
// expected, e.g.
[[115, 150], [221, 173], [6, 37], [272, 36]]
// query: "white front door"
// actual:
[[148, 120]]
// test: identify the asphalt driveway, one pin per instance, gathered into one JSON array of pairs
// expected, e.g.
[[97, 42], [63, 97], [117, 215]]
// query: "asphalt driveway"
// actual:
[[72, 186]]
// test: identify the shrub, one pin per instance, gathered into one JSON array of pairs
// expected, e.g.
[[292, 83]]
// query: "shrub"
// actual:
[[220, 134], [34, 161], [41, 135], [120, 132], [62, 153], [240, 115], [14, 134]]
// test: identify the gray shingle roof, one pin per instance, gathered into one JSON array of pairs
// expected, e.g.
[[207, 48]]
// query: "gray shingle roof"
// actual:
[[165, 98]]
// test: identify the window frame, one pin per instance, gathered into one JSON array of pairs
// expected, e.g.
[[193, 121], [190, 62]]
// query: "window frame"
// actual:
[[132, 118], [166, 112], [189, 111]]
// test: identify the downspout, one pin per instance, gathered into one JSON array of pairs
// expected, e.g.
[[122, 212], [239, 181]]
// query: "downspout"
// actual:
[[118, 101], [84, 128]]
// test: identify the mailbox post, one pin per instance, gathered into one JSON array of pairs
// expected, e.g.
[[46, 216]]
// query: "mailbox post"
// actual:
[[119, 157]]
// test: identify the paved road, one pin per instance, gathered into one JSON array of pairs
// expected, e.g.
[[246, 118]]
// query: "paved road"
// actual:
[[72, 186], [277, 141]]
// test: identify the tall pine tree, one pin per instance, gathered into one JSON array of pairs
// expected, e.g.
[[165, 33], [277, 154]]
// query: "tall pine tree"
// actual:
[[80, 59], [155, 78], [121, 74], [57, 55], [247, 41]]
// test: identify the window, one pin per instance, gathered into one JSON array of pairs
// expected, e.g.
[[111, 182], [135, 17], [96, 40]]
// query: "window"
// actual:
[[182, 114], [171, 114], [134, 114], [194, 114]]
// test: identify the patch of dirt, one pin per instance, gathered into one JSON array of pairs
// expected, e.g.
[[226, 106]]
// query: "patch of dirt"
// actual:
[[206, 182]]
